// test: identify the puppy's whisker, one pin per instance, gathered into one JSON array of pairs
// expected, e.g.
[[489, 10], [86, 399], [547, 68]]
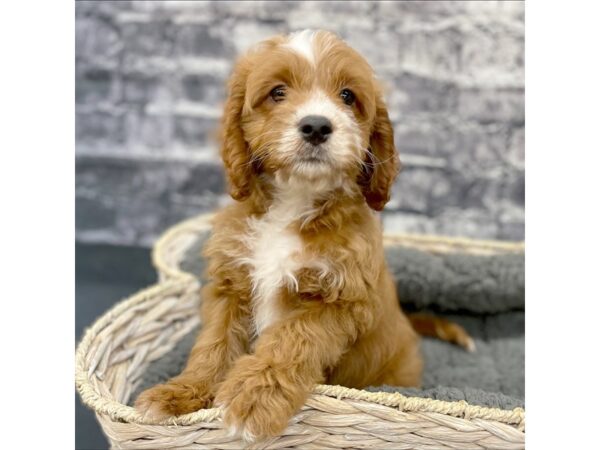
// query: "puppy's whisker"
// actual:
[[265, 134], [374, 161], [255, 158]]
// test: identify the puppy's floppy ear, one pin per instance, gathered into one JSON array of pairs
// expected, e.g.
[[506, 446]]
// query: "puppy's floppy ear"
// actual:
[[382, 164], [234, 149]]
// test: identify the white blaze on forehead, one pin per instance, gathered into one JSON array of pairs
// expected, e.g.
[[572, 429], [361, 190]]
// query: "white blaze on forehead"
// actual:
[[302, 42]]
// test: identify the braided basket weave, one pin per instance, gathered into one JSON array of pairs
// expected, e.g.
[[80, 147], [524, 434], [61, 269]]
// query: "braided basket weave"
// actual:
[[117, 348]]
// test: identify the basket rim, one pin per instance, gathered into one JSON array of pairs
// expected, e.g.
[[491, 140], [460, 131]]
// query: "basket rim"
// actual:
[[119, 412], [203, 222]]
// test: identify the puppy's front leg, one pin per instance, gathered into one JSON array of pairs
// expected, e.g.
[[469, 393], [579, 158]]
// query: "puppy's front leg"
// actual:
[[222, 339], [262, 391]]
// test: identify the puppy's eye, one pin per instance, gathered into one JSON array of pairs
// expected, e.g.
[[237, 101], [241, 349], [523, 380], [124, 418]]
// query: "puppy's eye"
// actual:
[[347, 96], [278, 93]]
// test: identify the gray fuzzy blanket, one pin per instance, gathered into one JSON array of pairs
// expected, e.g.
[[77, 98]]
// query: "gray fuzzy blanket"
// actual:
[[485, 294]]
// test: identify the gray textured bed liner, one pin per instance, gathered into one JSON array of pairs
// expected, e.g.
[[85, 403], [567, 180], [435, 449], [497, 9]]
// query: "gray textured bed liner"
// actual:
[[485, 294]]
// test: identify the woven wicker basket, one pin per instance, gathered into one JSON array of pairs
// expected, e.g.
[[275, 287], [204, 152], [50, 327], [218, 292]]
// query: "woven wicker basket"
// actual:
[[115, 351]]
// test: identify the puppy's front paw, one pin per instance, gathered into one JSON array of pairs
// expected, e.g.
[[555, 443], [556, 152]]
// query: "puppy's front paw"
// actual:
[[172, 399], [257, 400]]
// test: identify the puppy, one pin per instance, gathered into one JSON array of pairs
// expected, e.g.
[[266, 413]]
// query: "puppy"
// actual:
[[299, 291]]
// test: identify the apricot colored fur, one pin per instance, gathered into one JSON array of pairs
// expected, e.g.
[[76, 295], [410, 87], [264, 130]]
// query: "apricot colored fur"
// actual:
[[340, 322]]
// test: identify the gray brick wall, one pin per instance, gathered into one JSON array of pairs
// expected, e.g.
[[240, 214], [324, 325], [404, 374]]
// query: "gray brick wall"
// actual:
[[150, 83]]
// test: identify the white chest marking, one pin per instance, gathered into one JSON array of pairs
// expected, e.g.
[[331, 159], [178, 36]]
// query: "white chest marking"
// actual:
[[275, 255]]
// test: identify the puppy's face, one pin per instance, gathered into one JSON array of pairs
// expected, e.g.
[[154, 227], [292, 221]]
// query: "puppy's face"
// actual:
[[308, 106]]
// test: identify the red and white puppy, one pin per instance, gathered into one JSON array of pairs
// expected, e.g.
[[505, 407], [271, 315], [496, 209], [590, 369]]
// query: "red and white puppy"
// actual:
[[299, 291]]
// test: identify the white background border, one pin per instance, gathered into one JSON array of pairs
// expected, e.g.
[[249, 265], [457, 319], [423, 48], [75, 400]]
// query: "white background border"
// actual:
[[562, 226], [37, 226]]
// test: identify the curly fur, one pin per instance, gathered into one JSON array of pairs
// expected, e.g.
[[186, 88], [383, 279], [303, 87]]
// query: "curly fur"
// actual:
[[299, 291]]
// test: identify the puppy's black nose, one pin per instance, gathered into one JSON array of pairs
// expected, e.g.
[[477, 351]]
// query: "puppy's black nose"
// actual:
[[315, 129]]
